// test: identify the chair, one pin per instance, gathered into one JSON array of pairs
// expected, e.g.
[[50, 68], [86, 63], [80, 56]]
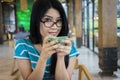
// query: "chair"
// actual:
[[82, 71]]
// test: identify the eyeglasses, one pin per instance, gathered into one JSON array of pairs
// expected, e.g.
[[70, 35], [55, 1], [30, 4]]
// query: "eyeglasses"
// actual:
[[49, 23]]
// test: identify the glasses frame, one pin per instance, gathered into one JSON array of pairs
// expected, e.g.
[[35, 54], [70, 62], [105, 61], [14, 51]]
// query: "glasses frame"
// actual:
[[52, 24]]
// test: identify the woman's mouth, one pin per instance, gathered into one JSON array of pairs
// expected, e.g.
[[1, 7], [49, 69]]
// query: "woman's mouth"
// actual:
[[53, 33]]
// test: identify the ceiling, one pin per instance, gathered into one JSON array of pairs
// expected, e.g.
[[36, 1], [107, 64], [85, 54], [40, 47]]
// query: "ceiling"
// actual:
[[6, 0], [62, 0], [14, 0]]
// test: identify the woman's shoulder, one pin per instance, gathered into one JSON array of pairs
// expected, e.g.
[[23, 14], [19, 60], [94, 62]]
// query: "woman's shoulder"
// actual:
[[74, 43], [74, 50], [23, 42], [21, 49], [27, 41]]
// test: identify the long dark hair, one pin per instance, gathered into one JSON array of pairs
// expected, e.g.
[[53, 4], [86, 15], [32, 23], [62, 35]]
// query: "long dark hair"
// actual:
[[40, 7]]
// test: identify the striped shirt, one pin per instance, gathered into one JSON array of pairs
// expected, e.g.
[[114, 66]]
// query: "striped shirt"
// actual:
[[24, 49]]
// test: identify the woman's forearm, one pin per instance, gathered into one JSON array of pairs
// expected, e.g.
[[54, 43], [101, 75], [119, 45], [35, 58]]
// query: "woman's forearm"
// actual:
[[61, 71], [38, 72]]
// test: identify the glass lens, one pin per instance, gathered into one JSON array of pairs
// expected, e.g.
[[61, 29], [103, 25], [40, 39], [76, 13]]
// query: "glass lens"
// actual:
[[48, 24], [59, 22]]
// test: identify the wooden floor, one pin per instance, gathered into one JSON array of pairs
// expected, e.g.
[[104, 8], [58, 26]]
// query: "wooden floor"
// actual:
[[6, 61], [88, 58]]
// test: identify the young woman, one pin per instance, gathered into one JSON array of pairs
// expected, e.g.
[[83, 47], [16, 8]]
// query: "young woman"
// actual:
[[38, 59]]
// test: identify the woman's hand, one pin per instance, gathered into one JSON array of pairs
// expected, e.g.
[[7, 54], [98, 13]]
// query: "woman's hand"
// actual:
[[64, 50], [48, 48]]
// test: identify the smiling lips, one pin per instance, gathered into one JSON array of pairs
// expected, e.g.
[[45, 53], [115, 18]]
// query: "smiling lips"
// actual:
[[53, 33]]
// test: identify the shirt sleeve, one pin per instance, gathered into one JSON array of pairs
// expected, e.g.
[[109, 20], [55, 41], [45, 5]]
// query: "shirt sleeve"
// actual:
[[74, 51], [20, 50]]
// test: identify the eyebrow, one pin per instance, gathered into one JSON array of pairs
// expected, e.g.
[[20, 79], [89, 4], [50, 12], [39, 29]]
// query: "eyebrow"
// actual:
[[50, 16]]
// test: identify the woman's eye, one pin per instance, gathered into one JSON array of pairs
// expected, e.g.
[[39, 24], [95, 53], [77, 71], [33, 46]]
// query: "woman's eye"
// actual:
[[59, 20], [47, 20]]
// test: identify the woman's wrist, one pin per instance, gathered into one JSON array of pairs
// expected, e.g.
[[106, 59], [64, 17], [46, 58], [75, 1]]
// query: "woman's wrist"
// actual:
[[60, 58], [42, 59]]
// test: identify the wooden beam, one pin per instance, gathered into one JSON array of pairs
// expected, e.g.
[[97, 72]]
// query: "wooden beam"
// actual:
[[1, 25], [78, 19], [107, 41], [70, 14], [8, 0], [107, 23]]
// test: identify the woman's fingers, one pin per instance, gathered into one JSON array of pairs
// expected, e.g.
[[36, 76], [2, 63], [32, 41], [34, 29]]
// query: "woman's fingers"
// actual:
[[67, 42], [45, 39], [53, 46], [51, 52], [52, 43], [65, 50]]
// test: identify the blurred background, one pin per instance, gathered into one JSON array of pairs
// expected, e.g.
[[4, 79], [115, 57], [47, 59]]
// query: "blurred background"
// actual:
[[94, 24]]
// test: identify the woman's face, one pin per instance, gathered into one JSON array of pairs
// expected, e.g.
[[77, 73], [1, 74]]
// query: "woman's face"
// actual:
[[51, 23]]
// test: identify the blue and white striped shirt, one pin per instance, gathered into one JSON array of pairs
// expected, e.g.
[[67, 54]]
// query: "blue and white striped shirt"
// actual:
[[24, 49]]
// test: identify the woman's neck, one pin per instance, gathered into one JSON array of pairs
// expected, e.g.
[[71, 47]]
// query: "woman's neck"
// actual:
[[38, 47]]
